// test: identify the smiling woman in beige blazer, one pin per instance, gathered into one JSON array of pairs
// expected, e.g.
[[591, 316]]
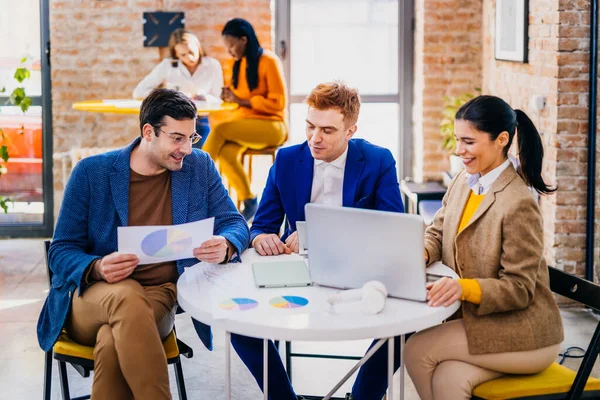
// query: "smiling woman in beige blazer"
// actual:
[[489, 230]]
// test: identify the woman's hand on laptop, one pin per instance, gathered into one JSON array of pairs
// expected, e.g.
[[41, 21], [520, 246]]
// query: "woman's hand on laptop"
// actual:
[[292, 242], [269, 244], [443, 292]]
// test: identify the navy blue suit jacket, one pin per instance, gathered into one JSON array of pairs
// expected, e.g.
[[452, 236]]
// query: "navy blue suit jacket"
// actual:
[[370, 182], [96, 202]]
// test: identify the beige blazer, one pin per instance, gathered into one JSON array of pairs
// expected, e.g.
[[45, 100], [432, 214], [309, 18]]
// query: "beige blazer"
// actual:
[[502, 247]]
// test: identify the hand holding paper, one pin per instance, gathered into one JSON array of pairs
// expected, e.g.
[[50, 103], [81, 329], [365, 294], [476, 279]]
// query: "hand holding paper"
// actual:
[[212, 251], [152, 244]]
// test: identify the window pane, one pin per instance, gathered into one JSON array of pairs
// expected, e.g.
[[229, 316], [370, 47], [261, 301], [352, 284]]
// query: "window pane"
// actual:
[[21, 178], [352, 40], [22, 25]]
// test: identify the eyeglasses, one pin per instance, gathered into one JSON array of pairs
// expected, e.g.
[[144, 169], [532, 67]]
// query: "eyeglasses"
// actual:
[[180, 140]]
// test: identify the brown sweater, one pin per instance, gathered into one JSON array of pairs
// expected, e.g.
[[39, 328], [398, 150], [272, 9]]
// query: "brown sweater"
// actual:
[[150, 203]]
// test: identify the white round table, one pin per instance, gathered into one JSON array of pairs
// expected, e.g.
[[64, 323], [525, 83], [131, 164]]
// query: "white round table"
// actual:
[[202, 289]]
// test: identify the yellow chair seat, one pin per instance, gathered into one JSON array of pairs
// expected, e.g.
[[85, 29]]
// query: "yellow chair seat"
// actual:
[[554, 379], [68, 347]]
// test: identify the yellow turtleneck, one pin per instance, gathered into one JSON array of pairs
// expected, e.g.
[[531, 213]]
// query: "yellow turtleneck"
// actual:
[[470, 287]]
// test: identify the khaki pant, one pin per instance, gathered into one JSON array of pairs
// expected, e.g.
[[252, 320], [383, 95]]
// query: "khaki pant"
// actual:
[[120, 321], [229, 140], [439, 364]]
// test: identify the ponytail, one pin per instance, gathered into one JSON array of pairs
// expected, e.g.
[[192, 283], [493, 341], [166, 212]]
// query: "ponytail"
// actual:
[[531, 153], [493, 115]]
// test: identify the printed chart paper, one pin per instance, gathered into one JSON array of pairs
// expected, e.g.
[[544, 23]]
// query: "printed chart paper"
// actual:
[[160, 243]]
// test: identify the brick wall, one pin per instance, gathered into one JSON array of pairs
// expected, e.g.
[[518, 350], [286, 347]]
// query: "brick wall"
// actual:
[[97, 53], [517, 82], [448, 45], [571, 134], [558, 70]]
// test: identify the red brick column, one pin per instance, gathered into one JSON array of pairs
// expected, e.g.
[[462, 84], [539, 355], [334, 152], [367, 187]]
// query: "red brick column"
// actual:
[[448, 44]]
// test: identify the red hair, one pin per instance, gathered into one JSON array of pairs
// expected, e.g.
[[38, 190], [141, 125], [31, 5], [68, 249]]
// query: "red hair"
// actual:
[[336, 95]]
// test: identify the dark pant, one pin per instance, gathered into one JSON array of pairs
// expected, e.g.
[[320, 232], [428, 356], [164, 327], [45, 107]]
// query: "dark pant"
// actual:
[[203, 129], [250, 351], [371, 382]]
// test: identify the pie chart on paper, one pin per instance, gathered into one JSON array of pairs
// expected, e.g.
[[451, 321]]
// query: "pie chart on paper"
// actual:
[[239, 304], [288, 302], [166, 242]]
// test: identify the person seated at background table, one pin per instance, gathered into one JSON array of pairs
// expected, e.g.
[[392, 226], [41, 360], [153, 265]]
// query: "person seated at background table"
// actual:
[[328, 168], [103, 298], [490, 231], [257, 85], [189, 70]]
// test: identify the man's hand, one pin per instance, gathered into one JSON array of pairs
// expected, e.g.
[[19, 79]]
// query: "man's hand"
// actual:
[[443, 292], [269, 244], [292, 242], [199, 97], [115, 267], [212, 251]]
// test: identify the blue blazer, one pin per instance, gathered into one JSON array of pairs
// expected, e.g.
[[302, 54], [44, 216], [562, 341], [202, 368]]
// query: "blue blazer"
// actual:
[[96, 202], [370, 181]]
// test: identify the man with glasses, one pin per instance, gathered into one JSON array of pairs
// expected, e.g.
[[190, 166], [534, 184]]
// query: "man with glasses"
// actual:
[[121, 308]]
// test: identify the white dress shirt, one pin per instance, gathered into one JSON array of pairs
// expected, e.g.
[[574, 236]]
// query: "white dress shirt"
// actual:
[[481, 184], [206, 81], [328, 181]]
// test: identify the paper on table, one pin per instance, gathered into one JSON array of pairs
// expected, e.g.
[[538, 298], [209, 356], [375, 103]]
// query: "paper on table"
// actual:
[[210, 102], [164, 242], [437, 268], [123, 103]]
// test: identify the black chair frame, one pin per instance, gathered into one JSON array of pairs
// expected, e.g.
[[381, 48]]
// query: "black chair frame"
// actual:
[[587, 293]]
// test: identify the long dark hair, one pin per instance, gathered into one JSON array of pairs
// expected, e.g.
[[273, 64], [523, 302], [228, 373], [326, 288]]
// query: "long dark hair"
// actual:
[[492, 115], [240, 28]]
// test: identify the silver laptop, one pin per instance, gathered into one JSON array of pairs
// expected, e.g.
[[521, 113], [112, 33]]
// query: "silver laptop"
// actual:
[[302, 245], [350, 246]]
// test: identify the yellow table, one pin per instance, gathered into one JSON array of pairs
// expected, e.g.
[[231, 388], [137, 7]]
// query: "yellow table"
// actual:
[[122, 106]]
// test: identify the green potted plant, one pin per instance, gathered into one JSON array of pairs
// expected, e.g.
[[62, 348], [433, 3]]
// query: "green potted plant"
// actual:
[[451, 106], [18, 98]]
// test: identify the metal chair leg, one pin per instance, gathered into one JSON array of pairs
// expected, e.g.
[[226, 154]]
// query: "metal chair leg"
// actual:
[[288, 359], [48, 375], [180, 381], [64, 380], [250, 169]]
